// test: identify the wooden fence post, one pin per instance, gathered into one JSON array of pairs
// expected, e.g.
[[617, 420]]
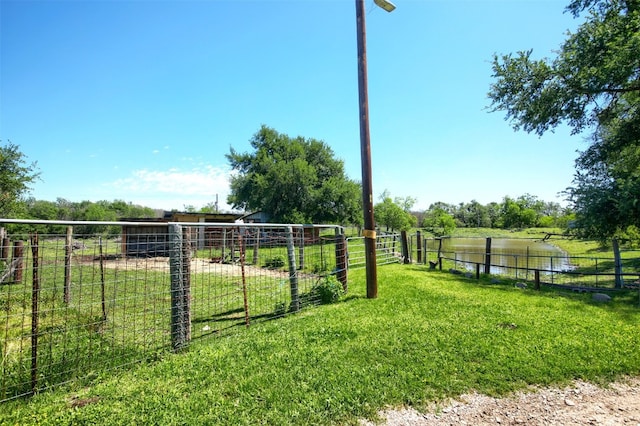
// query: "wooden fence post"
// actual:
[[4, 256], [487, 257], [18, 259], [341, 258], [419, 247], [405, 247], [293, 273], [6, 245], [536, 274]]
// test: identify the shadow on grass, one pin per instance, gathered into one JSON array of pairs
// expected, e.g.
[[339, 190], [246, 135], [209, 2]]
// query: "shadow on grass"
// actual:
[[83, 356]]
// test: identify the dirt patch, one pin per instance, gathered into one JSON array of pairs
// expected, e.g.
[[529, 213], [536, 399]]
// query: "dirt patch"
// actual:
[[198, 265], [580, 404]]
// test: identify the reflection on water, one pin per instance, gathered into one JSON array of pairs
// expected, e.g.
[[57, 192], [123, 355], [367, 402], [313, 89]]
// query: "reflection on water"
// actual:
[[506, 254]]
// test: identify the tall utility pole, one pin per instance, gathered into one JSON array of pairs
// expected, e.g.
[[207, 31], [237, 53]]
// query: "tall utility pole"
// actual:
[[369, 232]]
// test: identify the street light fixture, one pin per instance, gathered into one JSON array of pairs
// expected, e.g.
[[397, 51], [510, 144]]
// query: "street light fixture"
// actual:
[[386, 5], [369, 232]]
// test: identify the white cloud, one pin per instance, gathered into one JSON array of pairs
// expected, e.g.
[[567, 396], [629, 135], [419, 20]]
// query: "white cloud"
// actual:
[[175, 188]]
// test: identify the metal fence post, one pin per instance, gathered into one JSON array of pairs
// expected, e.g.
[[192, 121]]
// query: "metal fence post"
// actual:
[[617, 262], [301, 249], [178, 332], [68, 252], [186, 284], [256, 247], [35, 295], [293, 274]]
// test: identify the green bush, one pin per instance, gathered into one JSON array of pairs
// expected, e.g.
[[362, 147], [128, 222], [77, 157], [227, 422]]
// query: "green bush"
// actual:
[[328, 290], [280, 309], [318, 268], [274, 262]]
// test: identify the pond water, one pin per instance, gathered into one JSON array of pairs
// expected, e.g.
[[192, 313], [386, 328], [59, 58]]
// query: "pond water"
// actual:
[[507, 254]]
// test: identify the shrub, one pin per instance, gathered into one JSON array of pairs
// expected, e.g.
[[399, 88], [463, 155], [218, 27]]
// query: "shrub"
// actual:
[[280, 309], [320, 267], [328, 290], [274, 262]]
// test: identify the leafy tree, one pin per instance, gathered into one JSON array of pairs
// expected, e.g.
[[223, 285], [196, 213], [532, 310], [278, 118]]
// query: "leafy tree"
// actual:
[[101, 212], [40, 209], [395, 215], [65, 209], [211, 207], [518, 213], [294, 180], [16, 176], [493, 211], [86, 210], [592, 85], [438, 220], [473, 215], [405, 203], [123, 209]]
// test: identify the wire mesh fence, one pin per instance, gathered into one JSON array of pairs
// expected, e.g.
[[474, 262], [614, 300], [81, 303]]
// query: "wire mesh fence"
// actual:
[[526, 260], [75, 305]]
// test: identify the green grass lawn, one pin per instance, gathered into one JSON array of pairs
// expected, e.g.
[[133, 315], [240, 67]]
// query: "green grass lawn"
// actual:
[[428, 335]]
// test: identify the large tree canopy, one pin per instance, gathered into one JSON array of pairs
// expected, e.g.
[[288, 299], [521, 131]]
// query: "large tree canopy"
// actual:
[[593, 85], [294, 180], [395, 214], [16, 177]]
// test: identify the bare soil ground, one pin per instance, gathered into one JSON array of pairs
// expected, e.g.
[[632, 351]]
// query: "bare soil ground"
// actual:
[[198, 265], [580, 404]]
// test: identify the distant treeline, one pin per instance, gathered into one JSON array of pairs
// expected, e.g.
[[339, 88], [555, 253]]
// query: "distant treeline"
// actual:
[[63, 209], [523, 212]]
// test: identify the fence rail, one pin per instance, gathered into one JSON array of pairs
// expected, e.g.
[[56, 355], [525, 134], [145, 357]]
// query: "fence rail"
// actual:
[[388, 250], [554, 267], [74, 305]]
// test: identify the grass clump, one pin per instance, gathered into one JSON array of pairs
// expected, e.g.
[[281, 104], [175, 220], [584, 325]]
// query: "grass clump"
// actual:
[[429, 335], [274, 262], [328, 289]]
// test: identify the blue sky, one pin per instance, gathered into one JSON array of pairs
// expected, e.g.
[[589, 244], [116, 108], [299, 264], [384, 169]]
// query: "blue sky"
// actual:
[[141, 100]]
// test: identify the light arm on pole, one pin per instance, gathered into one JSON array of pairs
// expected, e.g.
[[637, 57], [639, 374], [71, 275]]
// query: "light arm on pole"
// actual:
[[385, 4]]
